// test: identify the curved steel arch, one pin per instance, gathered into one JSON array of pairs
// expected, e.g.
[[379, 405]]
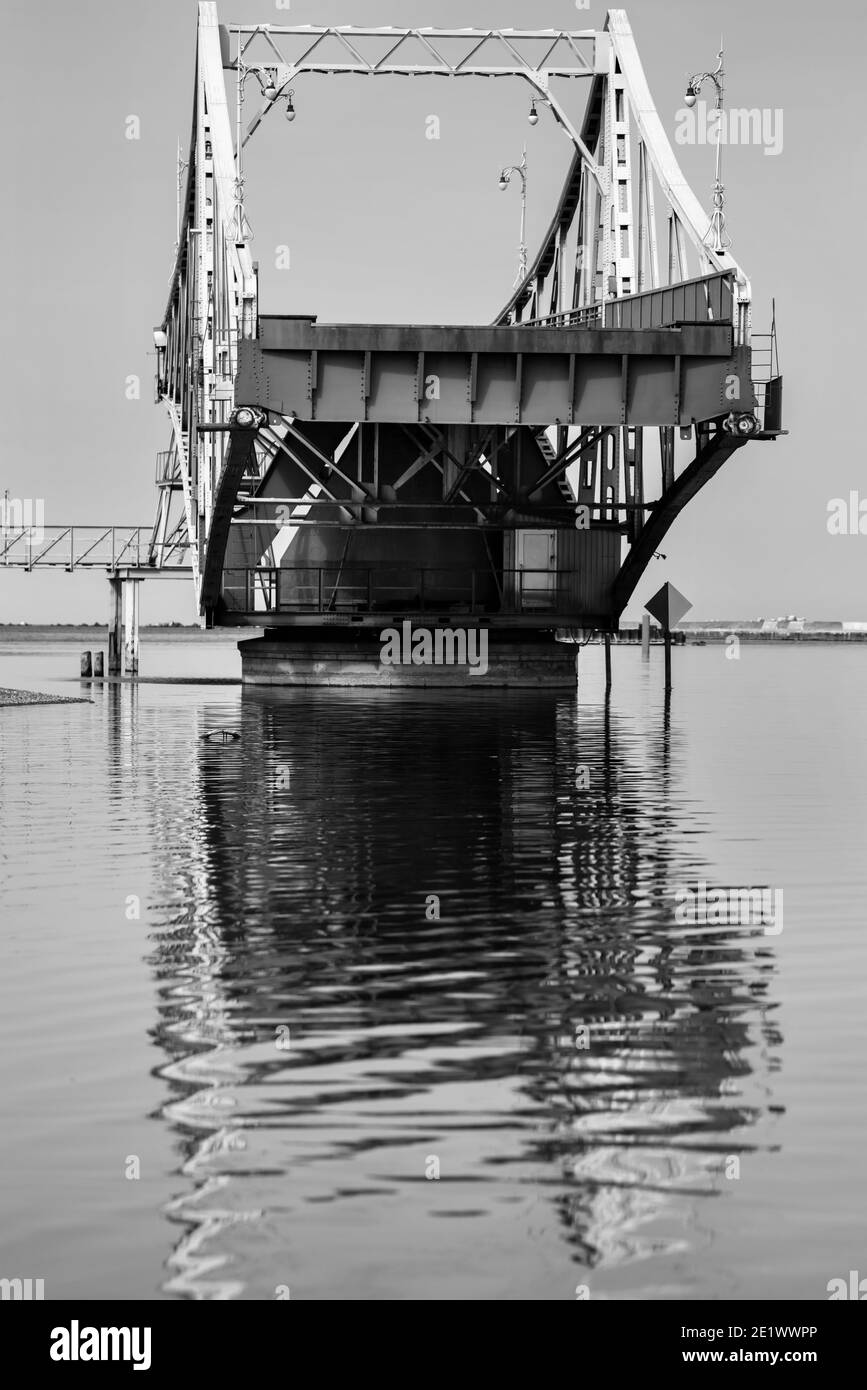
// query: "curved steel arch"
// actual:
[[616, 97], [708, 461]]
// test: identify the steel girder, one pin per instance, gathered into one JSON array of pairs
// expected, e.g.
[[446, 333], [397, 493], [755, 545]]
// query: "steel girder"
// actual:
[[494, 376]]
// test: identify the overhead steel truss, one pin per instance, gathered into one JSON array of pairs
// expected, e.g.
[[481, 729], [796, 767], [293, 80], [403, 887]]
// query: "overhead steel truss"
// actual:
[[536, 55]]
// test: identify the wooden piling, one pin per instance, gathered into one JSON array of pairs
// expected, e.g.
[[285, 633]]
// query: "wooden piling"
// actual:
[[86, 666]]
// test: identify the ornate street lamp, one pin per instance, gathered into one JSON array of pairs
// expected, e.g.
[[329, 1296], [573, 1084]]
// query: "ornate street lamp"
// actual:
[[505, 180], [716, 232]]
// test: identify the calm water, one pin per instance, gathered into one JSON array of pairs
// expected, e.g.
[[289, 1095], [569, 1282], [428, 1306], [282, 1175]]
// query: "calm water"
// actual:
[[287, 1042]]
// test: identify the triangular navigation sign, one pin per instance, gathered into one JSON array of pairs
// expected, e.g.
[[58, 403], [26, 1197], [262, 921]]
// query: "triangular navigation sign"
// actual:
[[668, 607]]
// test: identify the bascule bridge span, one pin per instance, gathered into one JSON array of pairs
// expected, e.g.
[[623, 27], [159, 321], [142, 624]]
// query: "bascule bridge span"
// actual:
[[333, 480]]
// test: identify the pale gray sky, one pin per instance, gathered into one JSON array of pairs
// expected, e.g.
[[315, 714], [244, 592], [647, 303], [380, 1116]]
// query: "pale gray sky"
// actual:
[[387, 225]]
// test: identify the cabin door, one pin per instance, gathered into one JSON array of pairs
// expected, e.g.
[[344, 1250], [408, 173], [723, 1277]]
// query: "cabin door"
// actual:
[[537, 568]]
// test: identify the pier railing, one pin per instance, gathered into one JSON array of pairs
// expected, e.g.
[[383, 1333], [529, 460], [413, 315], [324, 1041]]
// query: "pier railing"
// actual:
[[361, 590]]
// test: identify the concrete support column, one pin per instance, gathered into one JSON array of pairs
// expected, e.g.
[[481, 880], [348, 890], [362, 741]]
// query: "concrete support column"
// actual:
[[115, 619], [130, 645]]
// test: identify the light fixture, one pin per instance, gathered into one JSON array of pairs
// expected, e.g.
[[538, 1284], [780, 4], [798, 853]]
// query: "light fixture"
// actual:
[[533, 117], [716, 236], [245, 417], [290, 109], [505, 179], [160, 339], [269, 91]]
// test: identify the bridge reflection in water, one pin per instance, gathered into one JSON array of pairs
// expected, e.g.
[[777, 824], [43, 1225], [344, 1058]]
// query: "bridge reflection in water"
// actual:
[[327, 1036]]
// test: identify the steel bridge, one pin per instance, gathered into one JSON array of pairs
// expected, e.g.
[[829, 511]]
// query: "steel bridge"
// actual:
[[325, 479]]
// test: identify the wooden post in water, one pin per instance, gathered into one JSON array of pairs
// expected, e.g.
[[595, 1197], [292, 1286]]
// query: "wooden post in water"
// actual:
[[115, 626], [645, 637], [607, 662], [98, 666], [667, 658], [86, 669]]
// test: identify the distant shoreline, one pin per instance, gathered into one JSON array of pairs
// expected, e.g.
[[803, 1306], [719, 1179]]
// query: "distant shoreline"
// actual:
[[97, 633], [688, 634]]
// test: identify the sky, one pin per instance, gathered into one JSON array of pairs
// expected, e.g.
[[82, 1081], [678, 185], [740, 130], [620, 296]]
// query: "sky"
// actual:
[[385, 224]]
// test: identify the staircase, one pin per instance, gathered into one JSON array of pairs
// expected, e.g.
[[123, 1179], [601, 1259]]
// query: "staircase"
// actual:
[[549, 454]]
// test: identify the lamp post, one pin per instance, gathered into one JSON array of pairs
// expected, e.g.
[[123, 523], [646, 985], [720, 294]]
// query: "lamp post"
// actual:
[[720, 241], [505, 180]]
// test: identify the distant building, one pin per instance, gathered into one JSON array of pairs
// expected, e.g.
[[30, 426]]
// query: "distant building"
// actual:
[[790, 623]]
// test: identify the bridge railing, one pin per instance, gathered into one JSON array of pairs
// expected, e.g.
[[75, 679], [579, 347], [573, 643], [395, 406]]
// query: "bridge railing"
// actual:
[[79, 547], [363, 589], [707, 299]]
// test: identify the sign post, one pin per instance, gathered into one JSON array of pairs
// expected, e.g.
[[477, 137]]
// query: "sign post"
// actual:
[[668, 607]]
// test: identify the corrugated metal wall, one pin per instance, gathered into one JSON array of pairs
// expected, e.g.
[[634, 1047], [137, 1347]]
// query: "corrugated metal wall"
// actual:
[[587, 564]]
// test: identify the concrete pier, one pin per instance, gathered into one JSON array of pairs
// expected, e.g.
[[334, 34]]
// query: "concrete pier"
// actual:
[[343, 657]]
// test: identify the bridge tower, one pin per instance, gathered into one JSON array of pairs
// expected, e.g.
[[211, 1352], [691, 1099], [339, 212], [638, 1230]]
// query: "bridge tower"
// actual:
[[339, 480]]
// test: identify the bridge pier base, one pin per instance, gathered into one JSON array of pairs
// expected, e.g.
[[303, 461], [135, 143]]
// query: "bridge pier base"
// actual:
[[343, 657]]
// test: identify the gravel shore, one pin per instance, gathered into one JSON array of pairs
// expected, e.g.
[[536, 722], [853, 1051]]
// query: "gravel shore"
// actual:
[[32, 697]]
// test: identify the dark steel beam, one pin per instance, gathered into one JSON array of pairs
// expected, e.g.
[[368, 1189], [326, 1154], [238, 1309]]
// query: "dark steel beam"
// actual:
[[708, 461], [501, 376]]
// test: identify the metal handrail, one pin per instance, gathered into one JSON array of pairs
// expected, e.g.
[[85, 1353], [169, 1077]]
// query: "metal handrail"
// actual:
[[87, 547], [362, 589], [704, 299]]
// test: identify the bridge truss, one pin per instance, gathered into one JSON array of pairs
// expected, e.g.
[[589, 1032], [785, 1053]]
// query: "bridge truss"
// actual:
[[320, 476]]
